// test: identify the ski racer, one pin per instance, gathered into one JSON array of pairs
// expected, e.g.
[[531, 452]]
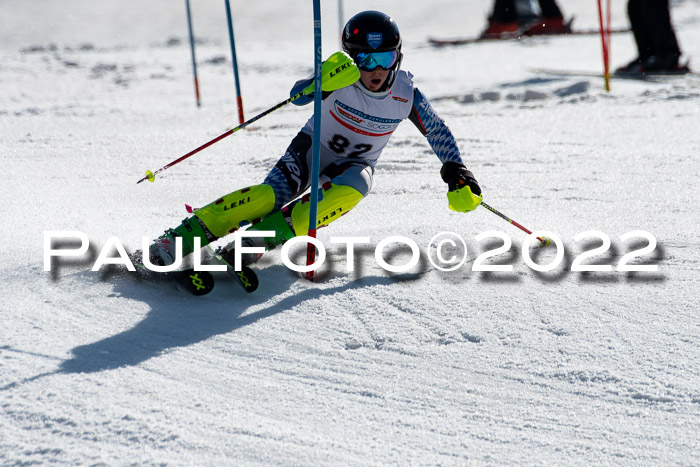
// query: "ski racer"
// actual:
[[358, 121]]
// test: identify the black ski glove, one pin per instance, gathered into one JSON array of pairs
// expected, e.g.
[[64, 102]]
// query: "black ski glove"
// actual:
[[457, 176]]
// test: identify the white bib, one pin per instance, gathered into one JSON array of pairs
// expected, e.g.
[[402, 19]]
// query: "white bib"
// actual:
[[356, 125]]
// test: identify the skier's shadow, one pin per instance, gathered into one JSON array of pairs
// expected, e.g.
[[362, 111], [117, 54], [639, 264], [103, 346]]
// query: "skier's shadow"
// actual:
[[172, 324]]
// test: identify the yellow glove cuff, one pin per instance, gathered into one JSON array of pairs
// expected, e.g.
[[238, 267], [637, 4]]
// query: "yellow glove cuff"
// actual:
[[463, 200]]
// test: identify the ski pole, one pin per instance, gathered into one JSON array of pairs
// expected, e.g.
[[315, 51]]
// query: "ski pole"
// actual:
[[150, 176], [543, 240], [339, 71]]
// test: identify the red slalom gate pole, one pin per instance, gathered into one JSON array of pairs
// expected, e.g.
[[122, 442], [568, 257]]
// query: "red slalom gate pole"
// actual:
[[605, 40], [608, 33]]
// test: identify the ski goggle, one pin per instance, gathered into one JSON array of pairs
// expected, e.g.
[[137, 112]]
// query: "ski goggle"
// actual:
[[370, 61]]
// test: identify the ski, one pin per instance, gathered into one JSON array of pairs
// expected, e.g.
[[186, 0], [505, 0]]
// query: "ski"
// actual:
[[246, 277], [649, 76], [445, 42], [197, 283]]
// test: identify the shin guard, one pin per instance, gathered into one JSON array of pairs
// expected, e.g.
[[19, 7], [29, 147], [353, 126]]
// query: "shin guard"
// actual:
[[333, 202], [293, 220], [225, 215]]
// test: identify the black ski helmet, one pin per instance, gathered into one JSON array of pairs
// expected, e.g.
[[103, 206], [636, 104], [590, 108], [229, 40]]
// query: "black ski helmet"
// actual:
[[373, 31]]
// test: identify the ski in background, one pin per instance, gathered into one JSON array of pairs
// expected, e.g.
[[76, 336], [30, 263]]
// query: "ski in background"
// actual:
[[647, 76], [518, 35]]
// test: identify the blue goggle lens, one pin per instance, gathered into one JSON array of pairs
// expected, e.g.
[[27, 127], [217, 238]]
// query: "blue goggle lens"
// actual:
[[370, 61]]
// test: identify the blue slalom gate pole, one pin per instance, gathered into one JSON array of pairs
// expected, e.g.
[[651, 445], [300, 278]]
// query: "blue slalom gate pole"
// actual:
[[239, 99], [316, 150], [194, 61]]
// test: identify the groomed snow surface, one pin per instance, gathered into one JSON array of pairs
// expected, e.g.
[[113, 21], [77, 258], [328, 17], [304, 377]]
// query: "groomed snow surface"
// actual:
[[365, 367]]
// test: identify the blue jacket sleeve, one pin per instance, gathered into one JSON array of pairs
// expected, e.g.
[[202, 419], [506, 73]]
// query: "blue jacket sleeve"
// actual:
[[297, 88], [434, 129], [300, 86]]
